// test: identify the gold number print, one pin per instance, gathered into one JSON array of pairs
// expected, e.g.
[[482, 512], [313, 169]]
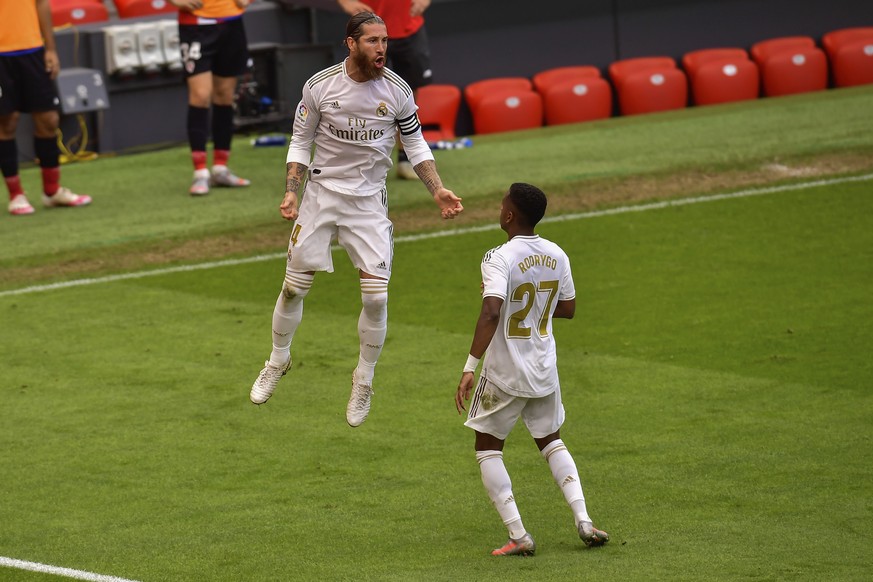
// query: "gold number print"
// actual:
[[525, 293], [294, 234]]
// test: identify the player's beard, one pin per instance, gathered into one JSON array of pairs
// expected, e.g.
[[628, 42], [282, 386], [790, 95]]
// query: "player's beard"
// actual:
[[367, 67]]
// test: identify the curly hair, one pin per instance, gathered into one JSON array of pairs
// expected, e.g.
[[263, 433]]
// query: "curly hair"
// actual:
[[530, 201]]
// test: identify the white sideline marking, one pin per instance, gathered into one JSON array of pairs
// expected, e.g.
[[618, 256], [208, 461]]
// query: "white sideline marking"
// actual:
[[67, 572], [443, 233]]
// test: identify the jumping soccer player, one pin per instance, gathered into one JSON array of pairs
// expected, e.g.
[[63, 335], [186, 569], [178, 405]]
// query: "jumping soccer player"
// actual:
[[351, 111]]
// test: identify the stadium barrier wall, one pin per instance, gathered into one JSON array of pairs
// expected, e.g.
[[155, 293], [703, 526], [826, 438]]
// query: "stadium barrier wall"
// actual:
[[469, 39]]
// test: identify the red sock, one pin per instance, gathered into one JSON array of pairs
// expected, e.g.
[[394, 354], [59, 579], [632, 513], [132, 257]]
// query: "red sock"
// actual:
[[13, 184], [51, 178], [220, 157], [199, 159]]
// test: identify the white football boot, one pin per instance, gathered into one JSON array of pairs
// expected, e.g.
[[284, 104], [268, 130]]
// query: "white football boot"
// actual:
[[359, 401], [222, 176], [19, 206], [523, 546], [592, 536], [264, 386], [64, 197]]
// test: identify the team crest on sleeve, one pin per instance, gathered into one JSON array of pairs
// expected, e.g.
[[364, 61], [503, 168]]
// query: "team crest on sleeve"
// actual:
[[302, 113], [382, 110]]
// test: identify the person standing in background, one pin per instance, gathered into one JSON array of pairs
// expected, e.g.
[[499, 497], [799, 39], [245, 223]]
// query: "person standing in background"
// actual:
[[409, 56], [29, 65], [214, 53]]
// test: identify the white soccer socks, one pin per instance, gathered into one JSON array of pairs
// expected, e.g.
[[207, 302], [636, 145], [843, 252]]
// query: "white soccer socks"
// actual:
[[287, 315], [496, 480], [372, 326], [567, 477]]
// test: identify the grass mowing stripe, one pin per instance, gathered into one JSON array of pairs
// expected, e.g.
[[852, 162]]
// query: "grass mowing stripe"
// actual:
[[58, 571], [453, 232]]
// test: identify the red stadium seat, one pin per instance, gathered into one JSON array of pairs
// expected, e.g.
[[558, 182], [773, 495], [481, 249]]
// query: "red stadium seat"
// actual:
[[574, 101], [795, 71], [619, 70], [648, 84], [551, 77], [725, 81], [721, 75], [508, 110], [692, 61], [853, 64], [135, 8], [474, 92], [835, 39], [652, 91], [850, 51], [438, 111], [74, 12], [790, 64], [765, 49], [573, 94]]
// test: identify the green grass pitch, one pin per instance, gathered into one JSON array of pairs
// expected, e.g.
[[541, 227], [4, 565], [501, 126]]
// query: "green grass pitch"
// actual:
[[717, 381]]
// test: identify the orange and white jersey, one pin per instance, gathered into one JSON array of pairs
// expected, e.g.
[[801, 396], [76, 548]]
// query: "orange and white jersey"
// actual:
[[19, 26], [531, 274], [213, 12]]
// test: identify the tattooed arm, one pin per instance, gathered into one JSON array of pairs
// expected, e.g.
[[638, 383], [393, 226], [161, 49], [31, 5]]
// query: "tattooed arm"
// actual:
[[450, 205], [293, 182]]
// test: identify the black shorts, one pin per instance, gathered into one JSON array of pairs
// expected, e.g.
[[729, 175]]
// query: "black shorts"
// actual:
[[410, 58], [25, 85], [221, 48]]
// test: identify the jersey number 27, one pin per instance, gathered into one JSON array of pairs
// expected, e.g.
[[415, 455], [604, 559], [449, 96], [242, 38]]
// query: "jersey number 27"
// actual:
[[526, 295]]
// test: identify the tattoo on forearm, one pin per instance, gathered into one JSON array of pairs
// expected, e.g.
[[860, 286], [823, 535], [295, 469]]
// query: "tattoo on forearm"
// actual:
[[294, 176], [427, 173]]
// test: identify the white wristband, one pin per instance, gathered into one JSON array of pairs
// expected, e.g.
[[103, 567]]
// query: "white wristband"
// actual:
[[471, 364]]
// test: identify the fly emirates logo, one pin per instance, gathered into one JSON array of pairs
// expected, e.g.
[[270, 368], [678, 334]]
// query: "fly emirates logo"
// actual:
[[357, 131]]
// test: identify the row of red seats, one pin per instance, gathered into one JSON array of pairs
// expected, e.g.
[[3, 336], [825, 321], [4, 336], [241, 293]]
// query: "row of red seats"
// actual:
[[66, 12], [774, 67]]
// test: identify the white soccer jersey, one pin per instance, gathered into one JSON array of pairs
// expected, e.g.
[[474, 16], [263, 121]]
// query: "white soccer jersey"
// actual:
[[531, 274], [354, 126]]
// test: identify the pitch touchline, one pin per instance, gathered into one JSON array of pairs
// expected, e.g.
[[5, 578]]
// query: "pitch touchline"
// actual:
[[67, 572], [443, 233]]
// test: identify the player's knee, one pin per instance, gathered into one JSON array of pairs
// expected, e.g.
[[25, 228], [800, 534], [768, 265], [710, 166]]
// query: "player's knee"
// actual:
[[8, 125], [290, 292], [374, 298], [296, 286]]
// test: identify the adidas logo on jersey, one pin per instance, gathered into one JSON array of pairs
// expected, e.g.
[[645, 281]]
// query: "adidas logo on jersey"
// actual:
[[334, 105]]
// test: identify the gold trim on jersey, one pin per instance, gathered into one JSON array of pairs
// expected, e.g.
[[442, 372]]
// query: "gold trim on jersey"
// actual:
[[398, 80], [327, 73]]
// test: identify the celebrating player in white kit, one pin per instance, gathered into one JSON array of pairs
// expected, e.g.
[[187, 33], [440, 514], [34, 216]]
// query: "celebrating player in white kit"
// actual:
[[351, 112], [526, 282]]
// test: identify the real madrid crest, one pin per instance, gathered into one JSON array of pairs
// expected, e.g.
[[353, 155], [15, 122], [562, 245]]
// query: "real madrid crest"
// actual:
[[382, 110]]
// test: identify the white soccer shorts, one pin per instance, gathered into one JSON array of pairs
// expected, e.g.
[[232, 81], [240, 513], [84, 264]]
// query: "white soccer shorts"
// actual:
[[493, 411], [359, 224]]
